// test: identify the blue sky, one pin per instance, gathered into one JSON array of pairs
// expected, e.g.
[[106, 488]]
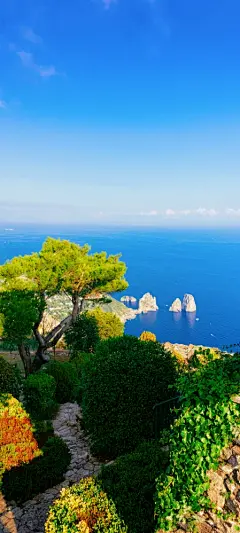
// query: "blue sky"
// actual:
[[123, 111]]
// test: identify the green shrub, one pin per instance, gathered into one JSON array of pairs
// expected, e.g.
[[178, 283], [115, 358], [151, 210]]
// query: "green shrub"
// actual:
[[84, 508], [17, 443], [207, 422], [79, 360], [121, 385], [10, 379], [67, 383], [39, 394], [21, 484], [109, 324], [83, 335], [130, 483]]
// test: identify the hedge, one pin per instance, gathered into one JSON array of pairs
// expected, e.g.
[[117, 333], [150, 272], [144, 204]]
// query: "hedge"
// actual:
[[39, 395], [67, 383], [130, 483], [10, 378], [122, 383], [21, 484], [84, 508], [17, 443]]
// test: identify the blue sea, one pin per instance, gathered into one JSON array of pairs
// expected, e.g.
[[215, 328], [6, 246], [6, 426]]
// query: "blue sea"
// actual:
[[167, 263]]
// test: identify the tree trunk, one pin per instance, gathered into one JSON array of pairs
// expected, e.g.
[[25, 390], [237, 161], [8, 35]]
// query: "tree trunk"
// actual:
[[25, 355], [40, 357], [52, 338]]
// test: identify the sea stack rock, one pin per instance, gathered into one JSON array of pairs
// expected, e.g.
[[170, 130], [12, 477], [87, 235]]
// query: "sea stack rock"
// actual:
[[147, 303], [176, 306], [129, 299], [189, 304]]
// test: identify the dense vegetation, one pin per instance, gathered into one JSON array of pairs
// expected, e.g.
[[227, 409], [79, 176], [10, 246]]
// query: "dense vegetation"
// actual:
[[84, 508], [130, 483], [122, 383], [66, 379], [205, 426], [10, 379], [40, 395], [17, 443], [60, 266], [83, 335], [22, 483], [109, 324]]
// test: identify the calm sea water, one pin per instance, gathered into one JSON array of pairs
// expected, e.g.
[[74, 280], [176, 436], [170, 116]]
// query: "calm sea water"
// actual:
[[167, 263]]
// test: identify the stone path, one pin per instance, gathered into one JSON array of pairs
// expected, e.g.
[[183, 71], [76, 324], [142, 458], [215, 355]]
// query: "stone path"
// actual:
[[31, 516]]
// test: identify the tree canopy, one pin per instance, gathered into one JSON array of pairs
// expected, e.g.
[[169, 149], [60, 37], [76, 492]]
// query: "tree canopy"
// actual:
[[26, 282]]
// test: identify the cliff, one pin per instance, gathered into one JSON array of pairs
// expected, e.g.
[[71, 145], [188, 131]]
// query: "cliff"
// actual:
[[60, 306]]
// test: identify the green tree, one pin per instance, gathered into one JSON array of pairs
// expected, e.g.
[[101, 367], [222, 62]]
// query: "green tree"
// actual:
[[26, 282], [109, 324], [82, 335]]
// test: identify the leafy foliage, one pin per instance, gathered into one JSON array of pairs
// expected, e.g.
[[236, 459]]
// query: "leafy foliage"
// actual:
[[22, 483], [17, 443], [79, 360], [65, 376], [109, 324], [148, 336], [130, 482], [83, 335], [20, 310], [206, 424], [84, 508], [10, 378], [121, 385], [60, 266], [39, 394]]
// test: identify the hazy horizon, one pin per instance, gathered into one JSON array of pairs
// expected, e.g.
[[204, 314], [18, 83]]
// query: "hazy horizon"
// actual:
[[120, 112]]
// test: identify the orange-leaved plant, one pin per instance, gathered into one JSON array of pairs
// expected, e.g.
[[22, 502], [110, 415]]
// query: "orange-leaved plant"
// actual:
[[17, 442]]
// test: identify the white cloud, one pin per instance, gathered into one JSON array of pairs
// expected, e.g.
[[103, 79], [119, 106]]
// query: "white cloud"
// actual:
[[185, 212], [152, 213], [29, 35], [170, 213], [206, 212], [28, 62], [232, 212], [3, 104]]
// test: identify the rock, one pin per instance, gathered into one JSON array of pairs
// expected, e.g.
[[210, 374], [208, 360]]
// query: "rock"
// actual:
[[129, 299], [216, 490], [147, 303], [230, 505], [233, 460], [189, 304], [176, 306], [226, 454], [236, 449]]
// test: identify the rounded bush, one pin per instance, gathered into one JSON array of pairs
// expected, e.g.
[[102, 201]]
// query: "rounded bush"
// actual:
[[148, 336], [130, 482], [67, 383], [39, 393], [21, 484], [83, 335], [17, 443], [10, 378], [121, 385], [84, 508], [109, 324]]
